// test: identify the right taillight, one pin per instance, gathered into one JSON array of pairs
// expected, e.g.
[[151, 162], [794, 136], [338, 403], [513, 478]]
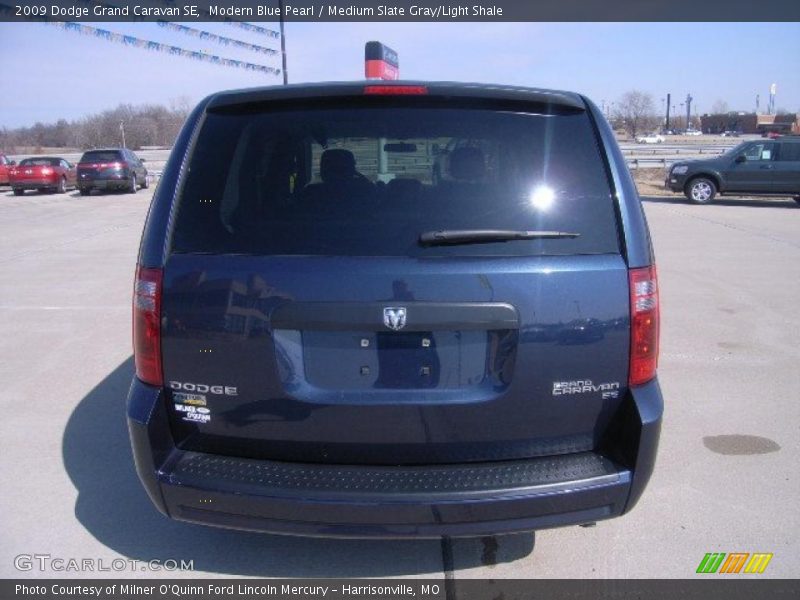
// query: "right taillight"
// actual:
[[147, 325], [644, 325]]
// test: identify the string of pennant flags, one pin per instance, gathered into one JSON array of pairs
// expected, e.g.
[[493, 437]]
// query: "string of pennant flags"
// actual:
[[240, 24], [129, 40], [220, 39], [254, 28]]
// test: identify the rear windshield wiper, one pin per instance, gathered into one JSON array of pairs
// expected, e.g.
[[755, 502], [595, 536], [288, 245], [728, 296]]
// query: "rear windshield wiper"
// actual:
[[485, 236]]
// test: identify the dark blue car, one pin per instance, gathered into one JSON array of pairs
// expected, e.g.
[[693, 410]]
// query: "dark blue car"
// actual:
[[396, 310]]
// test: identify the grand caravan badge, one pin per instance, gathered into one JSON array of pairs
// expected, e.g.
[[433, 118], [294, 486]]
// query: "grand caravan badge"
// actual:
[[586, 386]]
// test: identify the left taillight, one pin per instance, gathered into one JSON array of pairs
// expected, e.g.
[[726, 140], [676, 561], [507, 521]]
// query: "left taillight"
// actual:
[[147, 325], [645, 324]]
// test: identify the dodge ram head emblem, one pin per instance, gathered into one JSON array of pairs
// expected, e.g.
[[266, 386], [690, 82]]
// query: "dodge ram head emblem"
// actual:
[[394, 317]]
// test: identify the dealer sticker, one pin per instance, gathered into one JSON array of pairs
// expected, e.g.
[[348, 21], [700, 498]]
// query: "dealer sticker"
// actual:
[[194, 414]]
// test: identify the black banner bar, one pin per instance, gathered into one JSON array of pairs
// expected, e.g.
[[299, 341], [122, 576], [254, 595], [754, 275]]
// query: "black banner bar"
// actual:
[[443, 11], [702, 588]]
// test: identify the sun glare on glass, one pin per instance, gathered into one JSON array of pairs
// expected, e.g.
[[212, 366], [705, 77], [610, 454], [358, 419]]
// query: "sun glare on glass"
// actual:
[[543, 197]]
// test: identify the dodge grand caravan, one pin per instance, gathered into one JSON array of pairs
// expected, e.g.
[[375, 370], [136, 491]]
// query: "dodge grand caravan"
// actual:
[[331, 341]]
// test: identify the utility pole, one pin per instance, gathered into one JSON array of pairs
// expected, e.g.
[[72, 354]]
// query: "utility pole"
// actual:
[[122, 129], [669, 101], [758, 98], [283, 44]]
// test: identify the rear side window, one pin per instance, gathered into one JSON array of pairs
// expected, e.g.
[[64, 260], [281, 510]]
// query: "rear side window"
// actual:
[[369, 181], [98, 156], [789, 152]]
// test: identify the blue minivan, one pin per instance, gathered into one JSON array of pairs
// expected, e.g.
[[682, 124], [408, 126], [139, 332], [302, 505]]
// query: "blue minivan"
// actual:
[[397, 309]]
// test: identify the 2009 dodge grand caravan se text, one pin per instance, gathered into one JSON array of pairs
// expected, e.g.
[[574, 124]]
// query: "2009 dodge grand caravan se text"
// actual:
[[330, 341]]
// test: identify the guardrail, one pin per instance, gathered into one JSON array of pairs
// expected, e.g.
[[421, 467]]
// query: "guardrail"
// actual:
[[652, 159], [635, 163], [715, 150]]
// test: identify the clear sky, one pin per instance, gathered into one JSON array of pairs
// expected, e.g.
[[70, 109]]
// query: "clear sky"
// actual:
[[48, 73]]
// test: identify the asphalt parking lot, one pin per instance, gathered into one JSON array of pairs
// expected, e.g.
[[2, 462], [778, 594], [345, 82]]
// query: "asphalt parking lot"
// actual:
[[727, 478]]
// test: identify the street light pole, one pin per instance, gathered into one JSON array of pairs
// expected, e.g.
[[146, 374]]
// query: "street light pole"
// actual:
[[283, 44]]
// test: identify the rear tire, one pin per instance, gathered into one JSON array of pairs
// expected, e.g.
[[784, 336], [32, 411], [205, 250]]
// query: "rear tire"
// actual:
[[132, 185], [62, 186], [19, 192], [797, 199], [85, 191], [146, 183], [700, 190]]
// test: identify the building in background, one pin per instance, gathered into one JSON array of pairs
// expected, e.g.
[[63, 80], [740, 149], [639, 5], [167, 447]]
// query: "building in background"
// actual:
[[750, 123]]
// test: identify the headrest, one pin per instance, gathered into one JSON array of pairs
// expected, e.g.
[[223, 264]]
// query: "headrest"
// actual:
[[467, 164], [337, 164]]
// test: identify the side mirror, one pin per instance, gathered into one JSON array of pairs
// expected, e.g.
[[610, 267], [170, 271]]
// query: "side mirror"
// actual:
[[741, 158], [142, 160], [12, 162]]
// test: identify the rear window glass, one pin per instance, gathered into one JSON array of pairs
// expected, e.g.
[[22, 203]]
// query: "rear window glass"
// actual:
[[40, 162], [101, 156], [370, 181]]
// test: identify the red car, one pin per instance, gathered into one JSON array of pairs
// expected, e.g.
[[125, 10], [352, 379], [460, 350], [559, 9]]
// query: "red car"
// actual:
[[43, 173], [5, 164]]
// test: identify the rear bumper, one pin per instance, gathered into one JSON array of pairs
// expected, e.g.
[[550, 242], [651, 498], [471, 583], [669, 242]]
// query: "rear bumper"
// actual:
[[393, 502], [104, 183], [34, 184]]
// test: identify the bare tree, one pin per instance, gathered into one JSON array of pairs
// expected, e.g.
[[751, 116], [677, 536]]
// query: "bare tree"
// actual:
[[7, 140], [147, 125], [720, 107], [635, 111]]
